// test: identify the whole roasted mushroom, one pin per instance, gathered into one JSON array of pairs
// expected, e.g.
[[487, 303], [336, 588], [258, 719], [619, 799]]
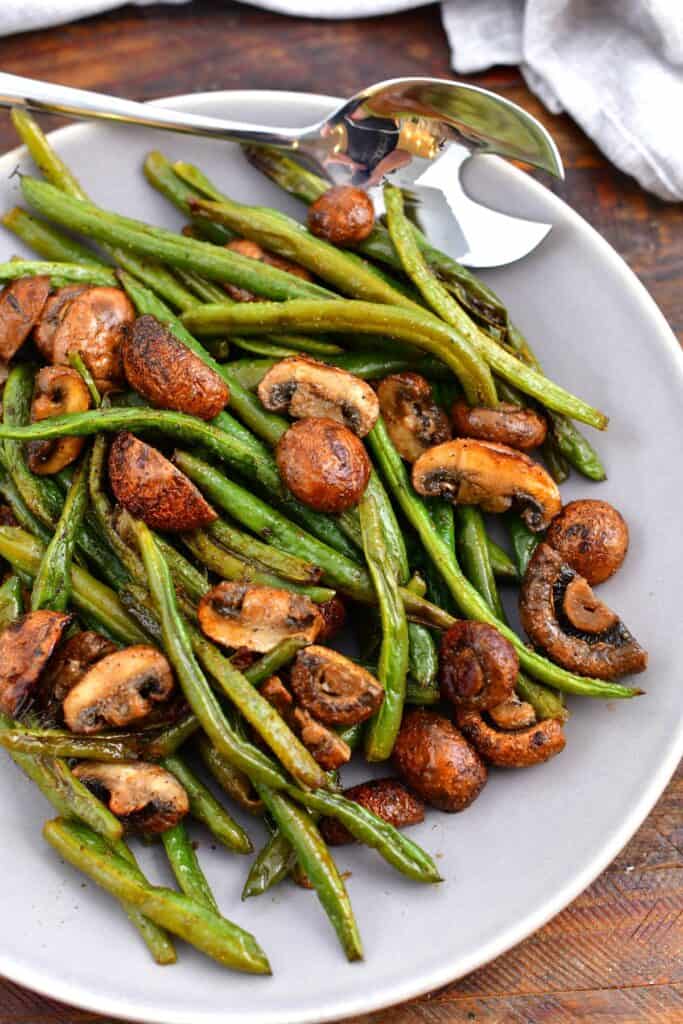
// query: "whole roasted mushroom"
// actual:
[[478, 667], [145, 797], [413, 419], [561, 615], [26, 647], [327, 748], [247, 615], [323, 464], [118, 690], [343, 215], [469, 472], [73, 659], [253, 251], [306, 388], [517, 748], [58, 391], [509, 424], [92, 321], [21, 304], [153, 489], [591, 536], [389, 799], [333, 688], [437, 762], [168, 373]]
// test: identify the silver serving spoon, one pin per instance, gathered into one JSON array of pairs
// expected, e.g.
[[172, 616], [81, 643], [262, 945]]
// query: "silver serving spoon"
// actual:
[[419, 131]]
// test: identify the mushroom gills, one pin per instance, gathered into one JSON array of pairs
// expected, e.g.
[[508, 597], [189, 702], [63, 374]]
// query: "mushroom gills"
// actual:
[[145, 797]]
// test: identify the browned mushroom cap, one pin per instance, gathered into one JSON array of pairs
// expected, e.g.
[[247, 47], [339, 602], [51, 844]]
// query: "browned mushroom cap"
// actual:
[[21, 304], [532, 745], [306, 388], [494, 476], [591, 536], [506, 424], [323, 464], [167, 373], [328, 749], [437, 762], [92, 321], [343, 215], [333, 688], [334, 618], [73, 659], [119, 689], [561, 614], [26, 646], [153, 489], [144, 796], [246, 615], [58, 390], [389, 799], [253, 251], [413, 419], [478, 667], [513, 713]]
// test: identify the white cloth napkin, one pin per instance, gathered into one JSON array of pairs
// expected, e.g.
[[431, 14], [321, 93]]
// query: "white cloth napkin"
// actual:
[[615, 65]]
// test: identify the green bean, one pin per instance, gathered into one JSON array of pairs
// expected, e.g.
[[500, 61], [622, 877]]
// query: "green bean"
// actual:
[[61, 743], [186, 868], [25, 552], [274, 862], [286, 237], [11, 601], [474, 555], [547, 703], [315, 859], [555, 462], [423, 660], [300, 343], [235, 783], [52, 585], [466, 596], [76, 362], [158, 244], [205, 290], [231, 567], [155, 938], [281, 562], [394, 543], [272, 349], [159, 280], [399, 851], [59, 273], [501, 563], [172, 737], [268, 664], [422, 695], [420, 328], [393, 659], [260, 714], [22, 513], [46, 240], [352, 735], [367, 365], [524, 542], [305, 185], [205, 808], [160, 175], [44, 156], [576, 449], [207, 931]]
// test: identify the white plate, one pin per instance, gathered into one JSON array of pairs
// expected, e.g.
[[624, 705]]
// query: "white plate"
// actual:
[[534, 839]]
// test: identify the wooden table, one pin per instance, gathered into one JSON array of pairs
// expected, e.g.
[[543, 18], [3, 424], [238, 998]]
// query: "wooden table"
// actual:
[[614, 955]]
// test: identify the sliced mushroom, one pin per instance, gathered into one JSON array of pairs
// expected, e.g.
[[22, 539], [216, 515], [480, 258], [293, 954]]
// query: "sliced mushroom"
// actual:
[[513, 713], [246, 615], [253, 251], [21, 304], [58, 390], [73, 659], [343, 215], [437, 762], [328, 749], [591, 536], [92, 321], [508, 424], [478, 667], [145, 797], [323, 464], [26, 646], [306, 388], [389, 799], [494, 476], [333, 688], [153, 489], [168, 373], [561, 615], [413, 419], [118, 690], [519, 749]]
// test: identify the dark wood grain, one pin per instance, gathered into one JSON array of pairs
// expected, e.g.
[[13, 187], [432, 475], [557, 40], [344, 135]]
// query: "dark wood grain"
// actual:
[[614, 955]]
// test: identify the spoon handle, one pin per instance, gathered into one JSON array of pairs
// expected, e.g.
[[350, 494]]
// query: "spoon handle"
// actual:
[[49, 97]]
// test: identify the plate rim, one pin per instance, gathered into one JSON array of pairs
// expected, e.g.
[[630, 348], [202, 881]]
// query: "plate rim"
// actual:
[[124, 1009]]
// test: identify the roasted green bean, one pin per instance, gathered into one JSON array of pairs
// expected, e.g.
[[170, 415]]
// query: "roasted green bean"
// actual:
[[205, 808]]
